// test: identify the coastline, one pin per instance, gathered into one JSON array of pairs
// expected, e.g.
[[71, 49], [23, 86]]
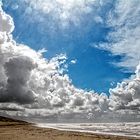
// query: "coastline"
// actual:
[[11, 129], [89, 132]]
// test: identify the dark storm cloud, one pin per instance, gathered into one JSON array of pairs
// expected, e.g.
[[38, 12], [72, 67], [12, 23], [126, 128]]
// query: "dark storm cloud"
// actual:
[[18, 71]]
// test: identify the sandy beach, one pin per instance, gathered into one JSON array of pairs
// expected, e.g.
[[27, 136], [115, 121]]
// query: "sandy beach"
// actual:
[[14, 130]]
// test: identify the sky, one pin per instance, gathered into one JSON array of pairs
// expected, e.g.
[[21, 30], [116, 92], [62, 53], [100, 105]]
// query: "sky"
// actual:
[[67, 59], [72, 32]]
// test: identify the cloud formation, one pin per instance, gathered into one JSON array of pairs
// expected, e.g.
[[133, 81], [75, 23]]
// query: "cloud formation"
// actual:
[[127, 94], [39, 85], [31, 86], [64, 12], [6, 21], [17, 70], [120, 16], [124, 39]]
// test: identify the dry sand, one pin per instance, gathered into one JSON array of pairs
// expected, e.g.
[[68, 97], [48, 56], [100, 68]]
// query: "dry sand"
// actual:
[[19, 130]]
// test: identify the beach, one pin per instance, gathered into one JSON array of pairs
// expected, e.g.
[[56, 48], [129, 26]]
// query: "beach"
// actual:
[[11, 129]]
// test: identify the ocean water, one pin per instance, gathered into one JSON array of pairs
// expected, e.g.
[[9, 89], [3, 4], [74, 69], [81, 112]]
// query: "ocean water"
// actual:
[[121, 129]]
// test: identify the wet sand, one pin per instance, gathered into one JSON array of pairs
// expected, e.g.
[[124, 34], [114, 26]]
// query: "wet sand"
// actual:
[[19, 130]]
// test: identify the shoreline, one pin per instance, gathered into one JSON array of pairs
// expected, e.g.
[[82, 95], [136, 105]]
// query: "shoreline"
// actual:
[[86, 131], [11, 129], [91, 132]]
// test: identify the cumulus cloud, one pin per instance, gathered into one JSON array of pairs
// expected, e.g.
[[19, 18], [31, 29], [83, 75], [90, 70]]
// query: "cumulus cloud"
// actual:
[[17, 70], [6, 22], [38, 85], [124, 39], [32, 86], [127, 94]]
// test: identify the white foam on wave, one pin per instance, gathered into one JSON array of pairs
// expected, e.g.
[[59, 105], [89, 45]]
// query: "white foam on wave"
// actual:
[[120, 129]]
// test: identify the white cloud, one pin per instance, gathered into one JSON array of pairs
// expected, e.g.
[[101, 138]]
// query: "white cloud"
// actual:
[[73, 61], [6, 22], [124, 40], [123, 19], [38, 85], [31, 86], [64, 12], [127, 94]]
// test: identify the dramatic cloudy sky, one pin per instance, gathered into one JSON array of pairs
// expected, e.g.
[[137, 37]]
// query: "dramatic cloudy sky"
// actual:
[[64, 58]]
